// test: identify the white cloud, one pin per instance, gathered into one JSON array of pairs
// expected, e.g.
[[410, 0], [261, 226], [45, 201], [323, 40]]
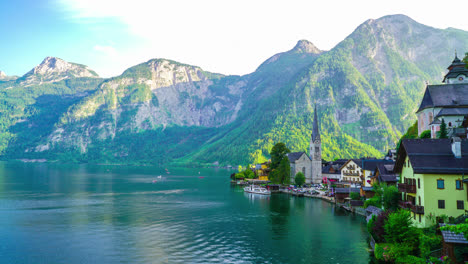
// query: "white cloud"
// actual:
[[107, 50], [236, 36]]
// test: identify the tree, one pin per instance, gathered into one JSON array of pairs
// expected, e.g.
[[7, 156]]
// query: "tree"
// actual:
[[443, 130], [249, 174], [390, 197], [399, 229], [277, 153], [284, 171], [299, 179], [425, 134], [274, 177]]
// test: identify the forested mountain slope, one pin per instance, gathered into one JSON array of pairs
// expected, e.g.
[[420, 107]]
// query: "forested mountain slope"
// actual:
[[366, 89]]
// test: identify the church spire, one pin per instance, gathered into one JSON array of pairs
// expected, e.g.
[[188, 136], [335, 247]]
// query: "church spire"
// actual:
[[315, 129]]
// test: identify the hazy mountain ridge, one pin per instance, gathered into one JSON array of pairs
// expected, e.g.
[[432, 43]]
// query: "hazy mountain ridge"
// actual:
[[366, 89]]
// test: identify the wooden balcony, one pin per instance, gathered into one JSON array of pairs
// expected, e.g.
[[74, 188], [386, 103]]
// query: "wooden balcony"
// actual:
[[407, 188], [404, 204], [417, 209]]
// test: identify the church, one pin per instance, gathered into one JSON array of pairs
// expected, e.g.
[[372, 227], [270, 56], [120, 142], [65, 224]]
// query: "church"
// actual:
[[310, 165], [448, 101]]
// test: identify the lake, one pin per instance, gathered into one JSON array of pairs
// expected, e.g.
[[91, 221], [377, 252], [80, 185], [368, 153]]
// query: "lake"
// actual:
[[117, 214]]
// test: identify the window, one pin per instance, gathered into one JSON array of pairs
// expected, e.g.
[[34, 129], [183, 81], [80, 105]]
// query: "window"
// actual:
[[440, 184], [316, 149], [450, 124], [441, 204], [419, 183], [460, 205], [459, 184], [303, 170]]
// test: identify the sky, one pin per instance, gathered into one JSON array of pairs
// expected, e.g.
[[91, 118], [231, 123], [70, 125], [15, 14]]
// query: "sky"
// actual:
[[223, 36]]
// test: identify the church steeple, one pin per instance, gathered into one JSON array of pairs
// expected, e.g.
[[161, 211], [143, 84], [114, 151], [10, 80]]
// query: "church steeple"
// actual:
[[457, 72], [315, 129]]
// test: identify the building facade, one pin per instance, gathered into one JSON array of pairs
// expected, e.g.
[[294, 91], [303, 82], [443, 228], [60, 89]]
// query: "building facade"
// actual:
[[432, 178]]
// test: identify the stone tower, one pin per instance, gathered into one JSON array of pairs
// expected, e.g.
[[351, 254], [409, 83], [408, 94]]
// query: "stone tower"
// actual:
[[315, 151]]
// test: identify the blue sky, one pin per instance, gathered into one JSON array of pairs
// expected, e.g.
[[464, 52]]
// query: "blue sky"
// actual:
[[230, 37]]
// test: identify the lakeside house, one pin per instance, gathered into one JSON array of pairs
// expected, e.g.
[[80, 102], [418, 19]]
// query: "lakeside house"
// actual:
[[433, 173]]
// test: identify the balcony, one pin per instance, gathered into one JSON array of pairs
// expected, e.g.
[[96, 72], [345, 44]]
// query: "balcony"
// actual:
[[404, 204], [402, 187], [407, 188], [417, 209]]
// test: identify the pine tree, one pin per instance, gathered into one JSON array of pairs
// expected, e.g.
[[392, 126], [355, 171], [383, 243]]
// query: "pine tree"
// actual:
[[443, 130]]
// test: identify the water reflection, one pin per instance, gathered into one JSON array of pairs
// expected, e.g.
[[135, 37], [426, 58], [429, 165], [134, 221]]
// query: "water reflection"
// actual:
[[79, 214]]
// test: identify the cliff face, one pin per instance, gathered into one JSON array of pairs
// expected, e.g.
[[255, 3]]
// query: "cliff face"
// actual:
[[54, 69], [366, 90]]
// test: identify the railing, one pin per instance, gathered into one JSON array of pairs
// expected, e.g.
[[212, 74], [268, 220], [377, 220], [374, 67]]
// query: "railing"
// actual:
[[402, 187], [410, 188], [407, 188], [417, 209], [404, 204]]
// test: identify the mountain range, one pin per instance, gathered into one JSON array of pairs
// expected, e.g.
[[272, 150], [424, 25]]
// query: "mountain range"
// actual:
[[366, 89]]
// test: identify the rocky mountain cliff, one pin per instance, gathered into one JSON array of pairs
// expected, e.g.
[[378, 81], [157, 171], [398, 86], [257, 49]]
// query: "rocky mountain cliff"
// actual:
[[55, 69], [366, 90]]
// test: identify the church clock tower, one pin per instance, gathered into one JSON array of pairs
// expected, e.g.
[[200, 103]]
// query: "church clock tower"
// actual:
[[315, 151]]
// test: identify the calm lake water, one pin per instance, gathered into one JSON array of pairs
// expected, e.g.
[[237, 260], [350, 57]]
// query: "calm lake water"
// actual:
[[112, 214]]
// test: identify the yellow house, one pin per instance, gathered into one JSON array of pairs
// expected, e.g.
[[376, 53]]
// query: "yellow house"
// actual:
[[262, 171], [433, 175]]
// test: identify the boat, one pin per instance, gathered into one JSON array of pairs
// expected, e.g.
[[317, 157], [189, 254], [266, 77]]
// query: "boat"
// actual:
[[257, 190]]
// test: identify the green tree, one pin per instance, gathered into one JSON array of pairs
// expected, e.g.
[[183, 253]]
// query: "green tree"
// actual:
[[299, 179], [285, 171], [399, 229], [274, 176], [390, 197], [443, 130], [277, 153], [425, 134], [249, 174], [355, 196]]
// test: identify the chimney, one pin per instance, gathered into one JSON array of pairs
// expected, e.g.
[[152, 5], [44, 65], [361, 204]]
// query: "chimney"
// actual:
[[456, 147]]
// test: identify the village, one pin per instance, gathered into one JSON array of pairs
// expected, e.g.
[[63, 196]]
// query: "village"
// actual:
[[423, 183]]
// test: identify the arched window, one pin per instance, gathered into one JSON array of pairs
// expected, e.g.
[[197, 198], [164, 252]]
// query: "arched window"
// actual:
[[431, 118], [303, 170]]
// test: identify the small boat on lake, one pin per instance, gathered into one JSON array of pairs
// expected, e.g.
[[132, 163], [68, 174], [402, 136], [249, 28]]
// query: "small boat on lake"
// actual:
[[257, 190]]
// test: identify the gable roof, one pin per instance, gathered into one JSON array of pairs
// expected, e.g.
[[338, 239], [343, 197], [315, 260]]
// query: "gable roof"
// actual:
[[357, 161], [432, 156], [293, 156], [386, 173], [445, 95], [371, 164]]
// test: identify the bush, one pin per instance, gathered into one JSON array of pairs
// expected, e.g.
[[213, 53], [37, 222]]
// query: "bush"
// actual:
[[409, 259], [390, 197], [374, 201], [425, 134], [399, 229], [378, 230], [355, 196]]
